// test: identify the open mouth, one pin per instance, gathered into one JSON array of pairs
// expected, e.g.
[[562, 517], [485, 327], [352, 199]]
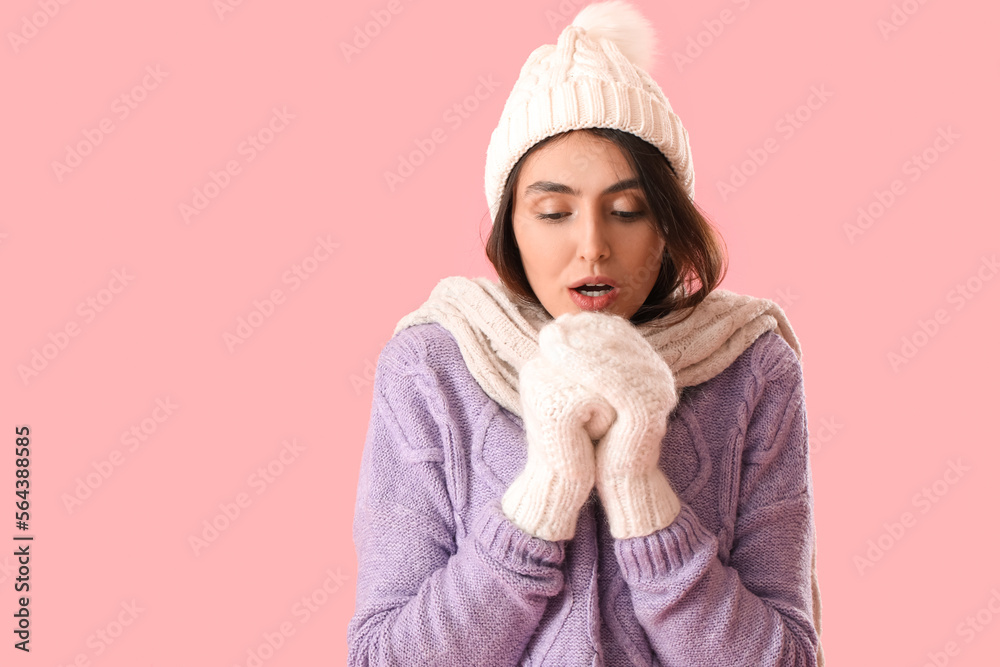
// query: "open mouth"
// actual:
[[593, 290]]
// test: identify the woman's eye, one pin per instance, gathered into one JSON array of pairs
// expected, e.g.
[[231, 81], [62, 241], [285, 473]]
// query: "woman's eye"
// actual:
[[626, 215]]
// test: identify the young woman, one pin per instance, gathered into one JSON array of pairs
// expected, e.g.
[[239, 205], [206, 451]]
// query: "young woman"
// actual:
[[601, 459]]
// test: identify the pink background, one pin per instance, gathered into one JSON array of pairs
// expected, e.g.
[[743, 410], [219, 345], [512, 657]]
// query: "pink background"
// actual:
[[880, 432]]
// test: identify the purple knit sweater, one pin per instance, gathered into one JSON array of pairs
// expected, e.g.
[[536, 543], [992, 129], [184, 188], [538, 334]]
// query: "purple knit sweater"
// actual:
[[444, 578]]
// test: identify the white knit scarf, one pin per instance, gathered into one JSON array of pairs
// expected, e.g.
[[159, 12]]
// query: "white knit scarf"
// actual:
[[497, 332]]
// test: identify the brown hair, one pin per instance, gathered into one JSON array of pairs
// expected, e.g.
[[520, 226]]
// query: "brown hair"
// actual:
[[693, 253]]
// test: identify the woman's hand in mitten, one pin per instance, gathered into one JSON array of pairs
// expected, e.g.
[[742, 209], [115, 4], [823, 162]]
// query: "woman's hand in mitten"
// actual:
[[607, 354], [561, 420]]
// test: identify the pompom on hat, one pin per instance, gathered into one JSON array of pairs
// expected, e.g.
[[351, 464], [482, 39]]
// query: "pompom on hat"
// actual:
[[594, 76]]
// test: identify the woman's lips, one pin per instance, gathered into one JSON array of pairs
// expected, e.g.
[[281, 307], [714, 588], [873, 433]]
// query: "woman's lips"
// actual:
[[593, 302]]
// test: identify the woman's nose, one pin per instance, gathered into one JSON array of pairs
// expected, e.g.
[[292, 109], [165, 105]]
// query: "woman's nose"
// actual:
[[592, 237]]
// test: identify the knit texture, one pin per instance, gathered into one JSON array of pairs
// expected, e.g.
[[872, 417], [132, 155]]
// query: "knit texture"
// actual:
[[585, 80], [445, 578], [561, 418], [607, 354], [497, 332]]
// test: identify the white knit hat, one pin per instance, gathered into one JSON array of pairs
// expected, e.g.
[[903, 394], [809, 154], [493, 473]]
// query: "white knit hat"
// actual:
[[594, 76]]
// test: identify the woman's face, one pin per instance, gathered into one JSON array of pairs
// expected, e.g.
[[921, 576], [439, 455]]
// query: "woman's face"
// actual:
[[580, 216]]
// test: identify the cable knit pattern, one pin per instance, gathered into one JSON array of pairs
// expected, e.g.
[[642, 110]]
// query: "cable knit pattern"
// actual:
[[445, 578], [585, 80]]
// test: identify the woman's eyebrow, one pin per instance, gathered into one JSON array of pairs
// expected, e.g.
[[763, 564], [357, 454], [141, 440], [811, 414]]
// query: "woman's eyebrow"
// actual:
[[561, 188]]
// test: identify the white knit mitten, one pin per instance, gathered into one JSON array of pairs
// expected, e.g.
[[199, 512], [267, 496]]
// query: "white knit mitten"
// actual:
[[607, 354], [561, 421]]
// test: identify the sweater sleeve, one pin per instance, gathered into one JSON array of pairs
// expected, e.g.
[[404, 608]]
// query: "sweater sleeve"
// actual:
[[423, 597], [757, 608]]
